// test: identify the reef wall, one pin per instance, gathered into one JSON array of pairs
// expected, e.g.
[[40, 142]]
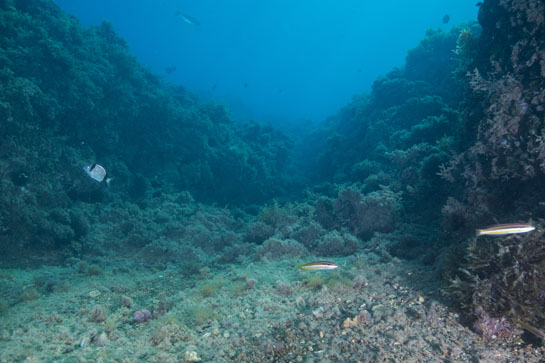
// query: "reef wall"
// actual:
[[500, 281], [458, 134], [395, 139], [503, 164], [71, 96]]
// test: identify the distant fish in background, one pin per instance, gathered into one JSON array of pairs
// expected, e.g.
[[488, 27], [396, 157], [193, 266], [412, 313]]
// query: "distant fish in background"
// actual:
[[245, 84], [97, 172], [446, 19], [318, 265], [170, 70], [503, 229], [188, 19]]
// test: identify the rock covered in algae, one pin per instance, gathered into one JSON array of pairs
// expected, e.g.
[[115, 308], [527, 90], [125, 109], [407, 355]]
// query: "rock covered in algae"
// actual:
[[191, 356]]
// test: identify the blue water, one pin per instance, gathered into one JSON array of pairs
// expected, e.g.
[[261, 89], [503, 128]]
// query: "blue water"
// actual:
[[275, 61]]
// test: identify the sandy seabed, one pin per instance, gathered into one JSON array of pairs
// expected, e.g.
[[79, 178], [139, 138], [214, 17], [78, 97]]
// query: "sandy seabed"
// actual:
[[365, 311]]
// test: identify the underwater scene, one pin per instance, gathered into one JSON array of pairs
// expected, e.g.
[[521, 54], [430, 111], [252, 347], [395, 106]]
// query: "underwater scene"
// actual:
[[286, 181]]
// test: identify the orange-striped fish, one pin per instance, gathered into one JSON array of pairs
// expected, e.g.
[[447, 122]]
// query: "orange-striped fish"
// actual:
[[318, 265], [501, 229]]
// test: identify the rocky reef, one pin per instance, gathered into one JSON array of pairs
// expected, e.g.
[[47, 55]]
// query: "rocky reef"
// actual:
[[72, 96], [457, 135], [501, 167], [392, 188], [505, 112], [393, 141], [501, 285]]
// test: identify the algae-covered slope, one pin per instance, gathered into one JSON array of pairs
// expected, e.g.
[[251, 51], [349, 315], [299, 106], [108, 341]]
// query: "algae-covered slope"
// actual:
[[72, 96], [502, 170], [503, 165], [462, 122], [400, 133], [459, 134], [82, 85]]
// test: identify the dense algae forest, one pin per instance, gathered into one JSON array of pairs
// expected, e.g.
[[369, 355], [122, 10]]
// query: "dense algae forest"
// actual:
[[189, 252]]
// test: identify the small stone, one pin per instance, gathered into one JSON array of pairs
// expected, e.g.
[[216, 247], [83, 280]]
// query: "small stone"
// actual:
[[94, 294], [321, 334], [226, 334], [100, 339], [98, 315], [350, 323], [318, 313], [191, 356], [420, 300], [250, 283], [141, 316], [300, 302], [126, 301]]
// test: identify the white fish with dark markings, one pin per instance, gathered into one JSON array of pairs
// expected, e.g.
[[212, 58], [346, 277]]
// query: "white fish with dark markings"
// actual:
[[96, 172]]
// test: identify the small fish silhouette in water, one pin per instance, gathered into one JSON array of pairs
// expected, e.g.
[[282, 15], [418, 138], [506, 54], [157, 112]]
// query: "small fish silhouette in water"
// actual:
[[188, 19], [245, 84], [446, 19], [170, 70]]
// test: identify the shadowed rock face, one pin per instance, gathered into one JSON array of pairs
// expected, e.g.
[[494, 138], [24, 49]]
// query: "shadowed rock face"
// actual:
[[502, 169]]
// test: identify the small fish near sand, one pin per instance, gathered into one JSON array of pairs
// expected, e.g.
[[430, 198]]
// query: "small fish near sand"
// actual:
[[318, 265], [503, 229], [96, 172]]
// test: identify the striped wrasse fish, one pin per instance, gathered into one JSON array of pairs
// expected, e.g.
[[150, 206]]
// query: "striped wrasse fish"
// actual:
[[501, 229], [318, 265]]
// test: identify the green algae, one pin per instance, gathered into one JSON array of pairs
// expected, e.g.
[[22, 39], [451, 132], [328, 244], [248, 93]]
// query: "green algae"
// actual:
[[199, 315], [212, 287]]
